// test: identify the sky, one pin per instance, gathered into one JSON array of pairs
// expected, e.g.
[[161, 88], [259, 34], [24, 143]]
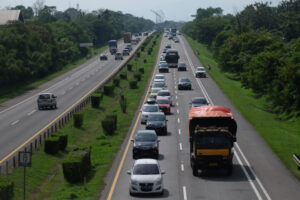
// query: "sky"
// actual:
[[176, 10]]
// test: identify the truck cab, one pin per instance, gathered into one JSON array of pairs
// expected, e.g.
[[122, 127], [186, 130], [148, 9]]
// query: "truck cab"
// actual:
[[113, 46], [172, 58], [212, 133]]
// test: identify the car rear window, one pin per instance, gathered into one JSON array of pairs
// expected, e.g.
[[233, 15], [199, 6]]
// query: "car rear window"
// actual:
[[162, 101], [150, 108], [143, 137], [163, 93], [156, 117], [44, 96], [144, 169]]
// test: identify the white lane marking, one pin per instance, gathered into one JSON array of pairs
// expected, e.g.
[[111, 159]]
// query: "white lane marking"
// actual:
[[180, 146], [176, 96], [182, 167], [175, 91], [15, 122], [70, 88], [77, 83], [30, 113], [178, 120], [179, 131], [184, 193], [177, 111], [253, 173], [177, 104], [239, 149], [63, 93]]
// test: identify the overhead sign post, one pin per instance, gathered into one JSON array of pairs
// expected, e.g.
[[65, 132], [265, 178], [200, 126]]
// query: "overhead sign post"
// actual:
[[25, 161]]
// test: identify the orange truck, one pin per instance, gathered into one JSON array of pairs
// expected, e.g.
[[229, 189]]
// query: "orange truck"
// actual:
[[212, 133], [127, 37]]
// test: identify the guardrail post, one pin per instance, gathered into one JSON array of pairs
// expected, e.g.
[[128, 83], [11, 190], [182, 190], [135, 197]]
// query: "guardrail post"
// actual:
[[35, 144], [31, 146], [40, 139], [6, 168], [14, 162], [0, 170]]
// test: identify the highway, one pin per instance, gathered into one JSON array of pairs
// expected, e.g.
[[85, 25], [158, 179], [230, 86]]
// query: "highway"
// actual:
[[257, 172], [20, 118]]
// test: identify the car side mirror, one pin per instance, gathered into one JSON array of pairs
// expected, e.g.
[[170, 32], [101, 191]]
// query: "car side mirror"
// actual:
[[129, 172], [163, 172]]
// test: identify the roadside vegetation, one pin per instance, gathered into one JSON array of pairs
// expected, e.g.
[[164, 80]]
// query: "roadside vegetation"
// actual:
[[254, 57], [47, 43], [117, 100]]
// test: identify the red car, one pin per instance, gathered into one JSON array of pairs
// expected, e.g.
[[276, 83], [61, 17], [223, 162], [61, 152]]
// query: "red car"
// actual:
[[164, 104]]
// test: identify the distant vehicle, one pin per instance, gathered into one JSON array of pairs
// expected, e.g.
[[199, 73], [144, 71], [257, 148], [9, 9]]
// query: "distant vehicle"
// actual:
[[46, 100], [161, 85], [118, 56], [165, 93], [145, 34], [153, 92], [113, 46], [145, 144], [163, 68], [170, 37], [184, 84], [168, 46], [181, 66], [179, 32], [146, 177], [159, 77], [164, 104], [176, 40], [125, 52], [200, 72], [157, 121], [172, 58], [173, 31], [127, 37], [128, 46], [198, 101], [147, 109], [165, 50], [151, 101], [103, 56]]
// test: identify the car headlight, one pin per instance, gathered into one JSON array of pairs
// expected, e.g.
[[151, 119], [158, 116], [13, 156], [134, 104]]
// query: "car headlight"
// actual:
[[154, 145], [158, 182], [134, 182]]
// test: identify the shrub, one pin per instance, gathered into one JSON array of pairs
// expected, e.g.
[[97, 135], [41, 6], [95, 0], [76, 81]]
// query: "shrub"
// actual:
[[109, 124], [76, 165], [142, 70], [123, 75], [95, 100], [138, 54], [52, 145], [6, 188], [78, 120], [116, 81], [108, 89], [63, 140], [129, 67], [138, 76], [145, 60], [123, 104], [142, 48], [133, 84]]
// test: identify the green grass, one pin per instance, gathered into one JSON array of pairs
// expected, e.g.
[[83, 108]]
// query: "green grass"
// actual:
[[45, 177], [10, 92], [283, 136]]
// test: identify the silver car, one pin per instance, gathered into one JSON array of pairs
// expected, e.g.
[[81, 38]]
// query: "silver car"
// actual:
[[46, 100], [147, 109], [159, 78], [165, 93], [146, 177]]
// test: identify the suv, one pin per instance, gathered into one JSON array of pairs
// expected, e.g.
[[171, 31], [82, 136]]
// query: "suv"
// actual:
[[184, 84], [200, 72], [147, 109], [118, 56], [125, 52], [145, 143], [157, 121], [165, 93], [46, 100]]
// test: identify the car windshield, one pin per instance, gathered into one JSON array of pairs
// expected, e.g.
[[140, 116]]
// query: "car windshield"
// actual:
[[155, 90], [163, 65], [213, 141], [199, 100], [157, 117], [163, 93], [185, 80], [145, 169], [172, 54], [200, 69], [159, 77], [159, 84], [150, 108], [181, 64], [143, 137], [162, 101], [44, 96]]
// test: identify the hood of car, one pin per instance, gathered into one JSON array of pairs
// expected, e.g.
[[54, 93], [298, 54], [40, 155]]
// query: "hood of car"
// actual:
[[144, 144], [184, 83], [152, 178], [155, 124]]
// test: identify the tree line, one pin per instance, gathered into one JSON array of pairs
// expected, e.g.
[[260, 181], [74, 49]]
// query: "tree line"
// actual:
[[260, 45], [46, 42]]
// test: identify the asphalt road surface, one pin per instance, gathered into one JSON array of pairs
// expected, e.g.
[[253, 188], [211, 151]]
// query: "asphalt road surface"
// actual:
[[20, 118], [257, 172]]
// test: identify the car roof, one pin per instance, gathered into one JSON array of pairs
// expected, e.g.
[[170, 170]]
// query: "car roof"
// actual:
[[159, 75], [145, 161], [146, 131], [162, 98], [164, 91], [46, 93], [146, 104], [157, 113]]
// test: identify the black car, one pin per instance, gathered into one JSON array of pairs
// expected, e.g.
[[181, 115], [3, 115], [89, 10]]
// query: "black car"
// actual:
[[151, 101], [157, 121], [198, 101], [163, 67], [184, 84], [103, 57], [125, 52], [181, 67], [145, 144]]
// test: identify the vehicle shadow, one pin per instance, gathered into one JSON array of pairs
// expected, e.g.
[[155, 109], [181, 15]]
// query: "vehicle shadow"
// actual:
[[161, 157], [166, 194], [238, 174]]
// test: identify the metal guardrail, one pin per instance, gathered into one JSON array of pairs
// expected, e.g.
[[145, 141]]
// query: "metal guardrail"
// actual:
[[297, 160], [10, 162]]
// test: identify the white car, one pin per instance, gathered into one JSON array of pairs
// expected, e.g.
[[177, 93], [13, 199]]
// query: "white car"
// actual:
[[159, 78], [146, 177], [165, 93], [200, 72], [147, 109]]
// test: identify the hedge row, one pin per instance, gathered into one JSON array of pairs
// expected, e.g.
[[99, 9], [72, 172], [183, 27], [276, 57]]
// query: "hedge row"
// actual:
[[57, 142], [109, 124], [6, 188]]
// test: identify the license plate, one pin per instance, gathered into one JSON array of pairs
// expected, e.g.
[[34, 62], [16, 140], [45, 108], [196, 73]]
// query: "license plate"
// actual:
[[213, 164]]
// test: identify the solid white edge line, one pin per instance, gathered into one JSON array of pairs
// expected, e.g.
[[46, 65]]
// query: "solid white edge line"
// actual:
[[184, 193], [245, 171]]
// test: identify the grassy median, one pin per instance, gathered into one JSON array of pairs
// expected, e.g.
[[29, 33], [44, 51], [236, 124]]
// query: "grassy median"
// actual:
[[45, 178], [283, 136]]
